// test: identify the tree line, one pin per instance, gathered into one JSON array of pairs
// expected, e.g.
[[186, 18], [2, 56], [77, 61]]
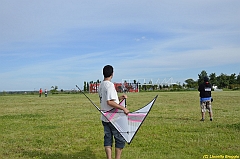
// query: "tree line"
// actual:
[[221, 81]]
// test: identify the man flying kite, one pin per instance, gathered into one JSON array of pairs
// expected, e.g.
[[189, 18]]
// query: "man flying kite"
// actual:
[[109, 99], [117, 121]]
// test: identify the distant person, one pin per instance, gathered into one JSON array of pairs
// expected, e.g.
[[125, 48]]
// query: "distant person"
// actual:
[[45, 92], [109, 99], [205, 98], [40, 92]]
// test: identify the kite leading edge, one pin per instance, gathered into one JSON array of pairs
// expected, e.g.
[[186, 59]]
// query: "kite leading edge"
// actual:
[[127, 125]]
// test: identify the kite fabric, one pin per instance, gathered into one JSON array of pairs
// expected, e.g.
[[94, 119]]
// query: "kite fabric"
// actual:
[[127, 125]]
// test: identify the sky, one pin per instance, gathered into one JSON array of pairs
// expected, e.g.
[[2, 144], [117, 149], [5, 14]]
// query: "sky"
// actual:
[[64, 43]]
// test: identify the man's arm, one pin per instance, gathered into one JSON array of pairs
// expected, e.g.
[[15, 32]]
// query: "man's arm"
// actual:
[[200, 88], [115, 105]]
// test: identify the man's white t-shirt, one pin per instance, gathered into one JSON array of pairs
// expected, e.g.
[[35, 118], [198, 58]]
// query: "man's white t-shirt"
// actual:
[[107, 92]]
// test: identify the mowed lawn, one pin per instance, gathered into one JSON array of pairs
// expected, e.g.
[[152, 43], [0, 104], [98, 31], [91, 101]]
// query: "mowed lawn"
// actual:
[[68, 126]]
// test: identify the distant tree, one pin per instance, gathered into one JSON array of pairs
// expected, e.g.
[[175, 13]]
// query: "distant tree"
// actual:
[[160, 86], [54, 89], [223, 81], [85, 86], [238, 79], [154, 87], [144, 87], [201, 76], [165, 86], [232, 79], [177, 86], [184, 85], [213, 79], [190, 83]]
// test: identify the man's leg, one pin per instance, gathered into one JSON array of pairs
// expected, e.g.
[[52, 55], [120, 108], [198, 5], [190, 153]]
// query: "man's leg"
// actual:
[[108, 139], [118, 153], [119, 144], [108, 150], [203, 116], [210, 115], [210, 110], [203, 110]]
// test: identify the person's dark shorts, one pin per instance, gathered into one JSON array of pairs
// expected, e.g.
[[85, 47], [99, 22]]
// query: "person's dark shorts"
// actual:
[[109, 132]]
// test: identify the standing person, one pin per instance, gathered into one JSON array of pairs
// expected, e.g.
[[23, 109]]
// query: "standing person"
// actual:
[[40, 92], [205, 98], [45, 92], [109, 99]]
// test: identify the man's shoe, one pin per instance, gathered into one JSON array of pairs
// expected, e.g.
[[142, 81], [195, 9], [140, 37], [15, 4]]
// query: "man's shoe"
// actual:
[[202, 120], [210, 119]]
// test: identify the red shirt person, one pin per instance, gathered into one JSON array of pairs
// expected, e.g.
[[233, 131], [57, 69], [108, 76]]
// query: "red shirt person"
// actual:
[[40, 92]]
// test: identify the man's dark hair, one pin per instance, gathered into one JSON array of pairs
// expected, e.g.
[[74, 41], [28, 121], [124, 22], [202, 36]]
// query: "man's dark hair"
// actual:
[[206, 79], [107, 71]]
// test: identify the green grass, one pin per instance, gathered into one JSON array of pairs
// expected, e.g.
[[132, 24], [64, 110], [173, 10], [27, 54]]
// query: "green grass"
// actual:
[[68, 126]]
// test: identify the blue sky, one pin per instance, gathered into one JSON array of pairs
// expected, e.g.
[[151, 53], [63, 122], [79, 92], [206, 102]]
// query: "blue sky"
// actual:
[[64, 43]]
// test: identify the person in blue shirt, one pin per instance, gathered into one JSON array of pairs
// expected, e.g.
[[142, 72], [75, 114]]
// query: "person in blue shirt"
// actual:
[[206, 98]]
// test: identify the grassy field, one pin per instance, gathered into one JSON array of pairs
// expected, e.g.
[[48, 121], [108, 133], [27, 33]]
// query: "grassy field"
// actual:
[[68, 126]]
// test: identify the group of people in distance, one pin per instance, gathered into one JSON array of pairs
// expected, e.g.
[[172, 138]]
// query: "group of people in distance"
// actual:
[[45, 92]]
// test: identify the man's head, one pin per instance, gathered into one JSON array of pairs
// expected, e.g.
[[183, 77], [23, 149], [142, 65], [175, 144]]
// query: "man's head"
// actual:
[[206, 79], [107, 71]]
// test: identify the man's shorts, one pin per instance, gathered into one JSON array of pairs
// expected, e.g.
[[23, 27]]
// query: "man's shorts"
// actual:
[[206, 105], [109, 132]]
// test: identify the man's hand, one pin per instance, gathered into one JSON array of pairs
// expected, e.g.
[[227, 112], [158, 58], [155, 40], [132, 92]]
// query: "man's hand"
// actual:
[[126, 111], [124, 96]]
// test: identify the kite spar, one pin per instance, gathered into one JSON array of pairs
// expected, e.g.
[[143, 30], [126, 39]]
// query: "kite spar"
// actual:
[[127, 125]]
